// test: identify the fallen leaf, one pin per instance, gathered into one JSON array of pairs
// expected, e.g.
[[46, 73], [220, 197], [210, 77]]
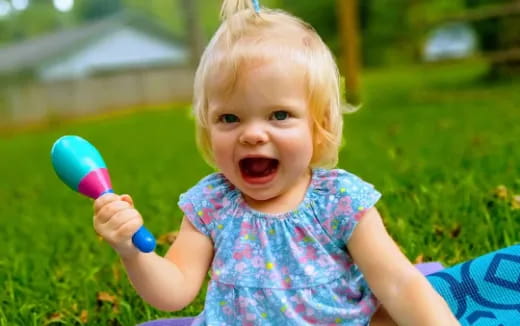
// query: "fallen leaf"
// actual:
[[501, 192], [167, 238], [55, 316], [438, 230], [115, 309], [105, 297], [515, 202], [83, 316], [456, 231], [419, 259]]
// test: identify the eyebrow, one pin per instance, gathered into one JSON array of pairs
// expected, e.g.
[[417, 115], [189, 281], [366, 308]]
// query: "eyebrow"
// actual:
[[216, 110], [287, 106], [282, 106]]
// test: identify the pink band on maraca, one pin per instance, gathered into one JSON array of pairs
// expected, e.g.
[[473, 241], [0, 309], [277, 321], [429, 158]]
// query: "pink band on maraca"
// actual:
[[95, 183]]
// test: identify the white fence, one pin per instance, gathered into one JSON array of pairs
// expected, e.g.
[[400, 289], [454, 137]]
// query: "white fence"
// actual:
[[30, 102]]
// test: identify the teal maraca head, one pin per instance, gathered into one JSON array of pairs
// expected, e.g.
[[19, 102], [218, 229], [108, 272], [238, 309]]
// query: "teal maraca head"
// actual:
[[80, 166]]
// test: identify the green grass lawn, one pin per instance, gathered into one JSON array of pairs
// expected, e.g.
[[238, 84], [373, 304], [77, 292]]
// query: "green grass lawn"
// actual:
[[436, 141]]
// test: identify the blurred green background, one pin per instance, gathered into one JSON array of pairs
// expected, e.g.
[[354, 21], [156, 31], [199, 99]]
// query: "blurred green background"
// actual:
[[437, 133]]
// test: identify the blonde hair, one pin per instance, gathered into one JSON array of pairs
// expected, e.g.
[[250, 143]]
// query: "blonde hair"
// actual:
[[246, 36]]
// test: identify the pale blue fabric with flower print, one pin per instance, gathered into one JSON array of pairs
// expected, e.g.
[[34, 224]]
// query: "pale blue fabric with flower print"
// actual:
[[283, 269]]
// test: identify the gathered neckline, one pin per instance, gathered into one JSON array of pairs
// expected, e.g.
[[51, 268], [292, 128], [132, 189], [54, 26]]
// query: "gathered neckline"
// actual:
[[301, 207]]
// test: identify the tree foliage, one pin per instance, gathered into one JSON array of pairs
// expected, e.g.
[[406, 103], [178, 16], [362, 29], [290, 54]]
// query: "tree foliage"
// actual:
[[21, 25], [392, 30], [96, 9]]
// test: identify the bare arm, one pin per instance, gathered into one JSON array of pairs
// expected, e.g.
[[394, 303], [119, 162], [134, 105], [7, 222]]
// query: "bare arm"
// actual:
[[172, 282], [168, 283], [402, 289]]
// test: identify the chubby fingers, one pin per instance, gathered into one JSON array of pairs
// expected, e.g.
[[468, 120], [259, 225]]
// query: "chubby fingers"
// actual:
[[125, 223], [115, 218], [105, 203], [109, 211], [100, 202], [128, 199]]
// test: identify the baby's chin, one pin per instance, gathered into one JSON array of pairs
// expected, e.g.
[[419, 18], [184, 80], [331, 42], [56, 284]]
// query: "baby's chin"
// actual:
[[259, 203], [257, 196]]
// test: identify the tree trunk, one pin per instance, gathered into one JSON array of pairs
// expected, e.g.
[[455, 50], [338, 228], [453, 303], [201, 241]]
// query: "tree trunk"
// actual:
[[193, 30], [349, 40]]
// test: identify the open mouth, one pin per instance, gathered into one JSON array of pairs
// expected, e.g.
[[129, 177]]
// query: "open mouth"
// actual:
[[258, 170]]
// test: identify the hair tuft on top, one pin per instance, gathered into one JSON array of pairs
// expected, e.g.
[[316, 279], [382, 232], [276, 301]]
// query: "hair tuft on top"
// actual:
[[231, 7]]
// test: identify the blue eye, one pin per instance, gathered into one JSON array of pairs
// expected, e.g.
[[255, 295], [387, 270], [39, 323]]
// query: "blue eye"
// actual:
[[280, 115], [228, 118]]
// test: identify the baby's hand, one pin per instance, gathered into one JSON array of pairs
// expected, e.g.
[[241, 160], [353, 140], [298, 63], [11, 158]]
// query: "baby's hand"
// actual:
[[116, 220]]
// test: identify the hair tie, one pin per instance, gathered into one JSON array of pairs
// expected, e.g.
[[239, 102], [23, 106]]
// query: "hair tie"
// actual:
[[256, 5]]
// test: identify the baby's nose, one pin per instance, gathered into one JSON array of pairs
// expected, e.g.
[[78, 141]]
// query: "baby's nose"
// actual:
[[254, 134]]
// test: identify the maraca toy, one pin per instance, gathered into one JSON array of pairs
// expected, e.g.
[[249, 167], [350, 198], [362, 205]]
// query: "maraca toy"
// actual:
[[80, 166]]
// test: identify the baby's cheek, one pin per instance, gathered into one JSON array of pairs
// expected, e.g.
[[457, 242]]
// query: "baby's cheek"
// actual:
[[298, 152], [221, 154], [222, 163]]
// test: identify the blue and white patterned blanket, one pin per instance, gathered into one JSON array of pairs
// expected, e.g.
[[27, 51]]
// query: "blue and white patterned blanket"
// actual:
[[484, 291]]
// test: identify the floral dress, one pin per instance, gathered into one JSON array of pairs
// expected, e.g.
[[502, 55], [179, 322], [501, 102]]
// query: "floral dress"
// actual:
[[283, 269]]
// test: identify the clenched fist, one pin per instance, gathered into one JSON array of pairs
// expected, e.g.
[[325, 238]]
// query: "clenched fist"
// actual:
[[116, 220]]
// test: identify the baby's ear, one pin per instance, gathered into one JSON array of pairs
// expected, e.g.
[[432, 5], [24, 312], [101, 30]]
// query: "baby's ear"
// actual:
[[128, 199]]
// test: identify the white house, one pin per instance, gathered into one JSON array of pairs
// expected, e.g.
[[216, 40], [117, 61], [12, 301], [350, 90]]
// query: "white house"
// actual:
[[122, 61], [120, 42]]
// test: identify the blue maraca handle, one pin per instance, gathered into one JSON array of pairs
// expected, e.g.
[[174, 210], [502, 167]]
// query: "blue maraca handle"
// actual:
[[143, 240]]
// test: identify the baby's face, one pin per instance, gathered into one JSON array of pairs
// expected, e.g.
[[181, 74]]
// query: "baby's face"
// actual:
[[261, 133]]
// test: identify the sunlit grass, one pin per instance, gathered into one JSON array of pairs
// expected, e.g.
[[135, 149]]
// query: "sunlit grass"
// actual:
[[436, 141]]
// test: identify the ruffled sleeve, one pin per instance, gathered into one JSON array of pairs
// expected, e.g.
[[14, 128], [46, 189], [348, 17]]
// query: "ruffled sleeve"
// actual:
[[201, 203], [343, 198]]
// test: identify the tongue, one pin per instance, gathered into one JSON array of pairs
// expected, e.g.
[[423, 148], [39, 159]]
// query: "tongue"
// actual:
[[257, 166]]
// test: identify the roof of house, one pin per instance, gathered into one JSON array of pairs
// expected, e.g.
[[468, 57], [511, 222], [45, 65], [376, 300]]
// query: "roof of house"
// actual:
[[30, 54]]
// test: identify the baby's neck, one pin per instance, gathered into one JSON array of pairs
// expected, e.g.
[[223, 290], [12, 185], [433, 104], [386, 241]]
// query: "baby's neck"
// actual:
[[285, 202]]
